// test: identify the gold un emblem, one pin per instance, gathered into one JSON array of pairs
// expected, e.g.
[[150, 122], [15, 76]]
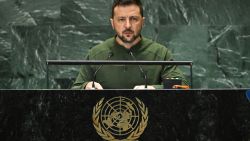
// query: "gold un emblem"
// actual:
[[120, 119]]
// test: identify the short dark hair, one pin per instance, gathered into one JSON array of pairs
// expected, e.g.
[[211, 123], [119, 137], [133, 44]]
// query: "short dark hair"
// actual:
[[125, 3]]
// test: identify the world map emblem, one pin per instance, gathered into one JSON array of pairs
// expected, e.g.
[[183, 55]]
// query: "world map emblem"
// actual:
[[120, 118]]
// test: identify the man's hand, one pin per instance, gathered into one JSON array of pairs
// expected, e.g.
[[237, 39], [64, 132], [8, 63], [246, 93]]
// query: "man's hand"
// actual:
[[141, 87], [97, 86]]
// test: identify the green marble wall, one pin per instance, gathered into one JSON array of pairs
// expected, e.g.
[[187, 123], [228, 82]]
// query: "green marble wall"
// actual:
[[214, 34]]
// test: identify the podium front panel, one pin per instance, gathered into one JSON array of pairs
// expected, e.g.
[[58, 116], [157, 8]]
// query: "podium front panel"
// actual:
[[145, 115]]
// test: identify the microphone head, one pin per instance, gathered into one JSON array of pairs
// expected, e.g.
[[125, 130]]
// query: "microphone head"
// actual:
[[110, 54], [130, 52]]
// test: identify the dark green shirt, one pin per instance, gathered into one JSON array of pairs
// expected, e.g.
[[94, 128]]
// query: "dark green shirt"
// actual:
[[127, 76]]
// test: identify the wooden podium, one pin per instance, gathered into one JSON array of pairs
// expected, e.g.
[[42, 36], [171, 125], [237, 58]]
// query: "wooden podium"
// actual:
[[145, 115]]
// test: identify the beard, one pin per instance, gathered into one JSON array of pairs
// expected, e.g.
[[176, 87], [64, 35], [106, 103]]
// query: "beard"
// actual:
[[130, 40]]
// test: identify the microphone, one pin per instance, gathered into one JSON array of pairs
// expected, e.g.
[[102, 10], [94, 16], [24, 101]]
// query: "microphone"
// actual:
[[94, 76], [140, 68]]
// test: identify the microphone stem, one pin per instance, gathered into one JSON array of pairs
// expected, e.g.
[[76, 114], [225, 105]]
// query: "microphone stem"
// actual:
[[143, 73], [94, 76]]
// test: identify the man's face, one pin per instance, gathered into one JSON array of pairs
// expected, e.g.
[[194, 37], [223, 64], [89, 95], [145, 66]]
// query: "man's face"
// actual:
[[127, 22]]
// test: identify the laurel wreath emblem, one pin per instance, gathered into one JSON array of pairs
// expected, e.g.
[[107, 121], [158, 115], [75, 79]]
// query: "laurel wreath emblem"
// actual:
[[108, 136]]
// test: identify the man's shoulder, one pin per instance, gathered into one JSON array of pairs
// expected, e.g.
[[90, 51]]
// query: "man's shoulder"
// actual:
[[153, 44], [105, 43], [152, 48], [103, 47]]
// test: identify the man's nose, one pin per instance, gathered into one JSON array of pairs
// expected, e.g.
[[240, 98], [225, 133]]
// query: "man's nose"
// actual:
[[128, 23]]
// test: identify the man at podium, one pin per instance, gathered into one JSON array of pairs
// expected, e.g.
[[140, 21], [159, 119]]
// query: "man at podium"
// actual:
[[127, 21]]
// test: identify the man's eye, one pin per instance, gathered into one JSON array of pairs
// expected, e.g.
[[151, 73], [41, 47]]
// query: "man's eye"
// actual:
[[121, 20], [134, 19]]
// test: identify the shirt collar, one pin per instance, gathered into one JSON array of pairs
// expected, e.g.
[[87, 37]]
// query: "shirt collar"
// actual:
[[133, 48]]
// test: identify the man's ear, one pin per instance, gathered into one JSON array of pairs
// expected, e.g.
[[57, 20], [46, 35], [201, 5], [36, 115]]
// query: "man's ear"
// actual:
[[112, 22], [143, 21]]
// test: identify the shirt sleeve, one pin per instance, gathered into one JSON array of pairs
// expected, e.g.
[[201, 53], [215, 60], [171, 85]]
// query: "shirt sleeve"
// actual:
[[84, 76], [172, 71]]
